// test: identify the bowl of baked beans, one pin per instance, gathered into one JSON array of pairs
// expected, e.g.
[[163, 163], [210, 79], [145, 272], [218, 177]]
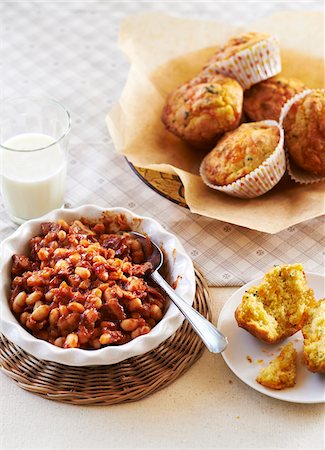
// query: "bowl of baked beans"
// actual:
[[75, 286]]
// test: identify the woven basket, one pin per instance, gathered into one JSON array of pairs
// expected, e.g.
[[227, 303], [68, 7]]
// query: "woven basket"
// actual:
[[127, 381]]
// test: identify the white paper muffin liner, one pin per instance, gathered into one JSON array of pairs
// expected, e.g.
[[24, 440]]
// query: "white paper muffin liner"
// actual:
[[296, 173], [261, 179], [251, 65]]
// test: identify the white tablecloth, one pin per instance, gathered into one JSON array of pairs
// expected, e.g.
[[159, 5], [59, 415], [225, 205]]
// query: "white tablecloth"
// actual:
[[69, 51]]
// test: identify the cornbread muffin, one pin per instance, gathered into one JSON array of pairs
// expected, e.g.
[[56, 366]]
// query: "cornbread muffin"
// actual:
[[239, 152], [277, 307], [248, 58], [281, 372], [304, 127], [203, 109], [265, 100], [237, 44], [314, 338]]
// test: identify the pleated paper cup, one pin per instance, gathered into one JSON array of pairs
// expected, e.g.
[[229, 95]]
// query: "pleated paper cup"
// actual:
[[251, 65], [261, 179], [296, 173]]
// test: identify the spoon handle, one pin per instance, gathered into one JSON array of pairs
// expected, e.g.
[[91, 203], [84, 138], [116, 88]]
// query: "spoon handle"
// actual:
[[214, 340]]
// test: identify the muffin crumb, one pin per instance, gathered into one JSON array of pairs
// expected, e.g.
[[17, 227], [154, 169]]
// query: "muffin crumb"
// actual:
[[281, 372]]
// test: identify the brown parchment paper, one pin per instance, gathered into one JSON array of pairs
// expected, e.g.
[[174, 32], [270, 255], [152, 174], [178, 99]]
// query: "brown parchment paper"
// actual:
[[164, 52]]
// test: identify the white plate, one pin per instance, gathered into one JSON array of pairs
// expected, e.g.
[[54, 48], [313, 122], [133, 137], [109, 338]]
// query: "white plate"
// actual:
[[309, 388], [178, 265]]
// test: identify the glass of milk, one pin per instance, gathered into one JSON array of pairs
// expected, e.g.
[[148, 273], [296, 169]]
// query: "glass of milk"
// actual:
[[33, 160]]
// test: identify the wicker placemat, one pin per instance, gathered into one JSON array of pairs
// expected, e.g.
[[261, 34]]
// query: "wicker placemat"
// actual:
[[126, 381]]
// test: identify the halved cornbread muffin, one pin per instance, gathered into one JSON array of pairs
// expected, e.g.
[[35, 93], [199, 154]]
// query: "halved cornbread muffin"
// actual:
[[314, 338], [277, 307]]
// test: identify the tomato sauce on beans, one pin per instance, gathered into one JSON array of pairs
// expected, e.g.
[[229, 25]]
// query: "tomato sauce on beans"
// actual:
[[83, 284]]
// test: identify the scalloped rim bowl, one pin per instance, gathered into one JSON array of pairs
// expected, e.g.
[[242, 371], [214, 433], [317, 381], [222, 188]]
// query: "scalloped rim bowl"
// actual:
[[178, 265]]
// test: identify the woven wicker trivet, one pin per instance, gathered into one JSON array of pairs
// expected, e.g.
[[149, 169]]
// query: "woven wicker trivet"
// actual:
[[126, 381]]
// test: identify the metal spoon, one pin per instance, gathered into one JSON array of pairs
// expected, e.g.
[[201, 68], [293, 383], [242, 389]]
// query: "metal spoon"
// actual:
[[214, 340]]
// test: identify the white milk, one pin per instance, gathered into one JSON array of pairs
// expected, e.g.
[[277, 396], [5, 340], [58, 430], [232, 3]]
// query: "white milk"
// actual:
[[32, 182]]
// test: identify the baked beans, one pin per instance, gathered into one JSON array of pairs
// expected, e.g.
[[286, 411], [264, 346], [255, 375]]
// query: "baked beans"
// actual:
[[83, 284]]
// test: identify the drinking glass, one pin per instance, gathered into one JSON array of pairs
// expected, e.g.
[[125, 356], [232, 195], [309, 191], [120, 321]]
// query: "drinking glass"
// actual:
[[34, 151]]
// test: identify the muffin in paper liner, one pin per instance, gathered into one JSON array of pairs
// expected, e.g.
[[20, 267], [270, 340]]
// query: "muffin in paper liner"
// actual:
[[251, 65], [261, 179], [296, 173]]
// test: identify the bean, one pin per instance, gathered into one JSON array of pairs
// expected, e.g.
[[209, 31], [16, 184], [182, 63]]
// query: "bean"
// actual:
[[62, 264], [76, 307], [97, 292], [54, 316], [23, 317], [105, 339], [61, 252], [71, 341], [63, 310], [37, 304], [83, 273], [43, 254], [33, 298], [129, 324], [59, 342], [140, 331], [63, 224], [158, 303], [103, 275], [41, 313], [53, 245], [134, 304], [49, 295], [104, 286], [75, 258], [100, 259], [19, 302], [95, 301], [84, 284], [155, 312], [62, 235]]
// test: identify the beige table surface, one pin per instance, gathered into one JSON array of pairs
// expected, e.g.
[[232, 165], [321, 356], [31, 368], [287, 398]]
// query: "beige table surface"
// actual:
[[207, 408], [73, 46]]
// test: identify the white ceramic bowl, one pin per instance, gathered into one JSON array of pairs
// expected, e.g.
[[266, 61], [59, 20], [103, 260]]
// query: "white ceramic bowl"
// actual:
[[178, 264]]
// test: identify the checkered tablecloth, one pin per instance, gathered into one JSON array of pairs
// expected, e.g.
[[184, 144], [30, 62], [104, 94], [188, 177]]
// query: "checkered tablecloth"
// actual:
[[69, 51]]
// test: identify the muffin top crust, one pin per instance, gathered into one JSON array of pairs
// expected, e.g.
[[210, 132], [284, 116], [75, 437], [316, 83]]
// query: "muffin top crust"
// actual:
[[304, 127], [237, 44], [265, 100], [201, 110], [239, 152]]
